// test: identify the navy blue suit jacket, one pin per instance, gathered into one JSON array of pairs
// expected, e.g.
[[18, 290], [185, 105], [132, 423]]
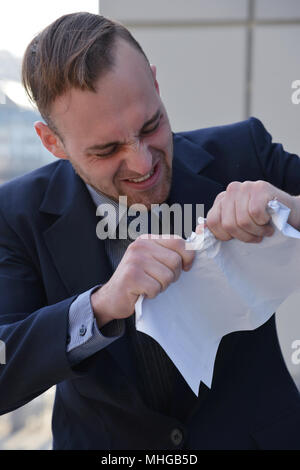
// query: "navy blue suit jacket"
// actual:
[[49, 254]]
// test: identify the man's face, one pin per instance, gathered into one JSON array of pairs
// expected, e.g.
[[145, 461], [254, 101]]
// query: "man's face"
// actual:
[[119, 133]]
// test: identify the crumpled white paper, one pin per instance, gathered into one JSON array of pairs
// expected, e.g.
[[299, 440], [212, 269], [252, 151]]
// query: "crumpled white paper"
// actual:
[[231, 286]]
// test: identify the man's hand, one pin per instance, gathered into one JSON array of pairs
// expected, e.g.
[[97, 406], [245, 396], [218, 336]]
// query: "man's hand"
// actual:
[[240, 211], [148, 266]]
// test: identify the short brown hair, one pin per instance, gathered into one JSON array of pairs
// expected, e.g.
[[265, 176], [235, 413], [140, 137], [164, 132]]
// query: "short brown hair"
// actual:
[[72, 52]]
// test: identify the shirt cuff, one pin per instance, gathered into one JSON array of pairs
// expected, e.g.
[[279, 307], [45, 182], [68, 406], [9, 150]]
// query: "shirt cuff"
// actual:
[[84, 336]]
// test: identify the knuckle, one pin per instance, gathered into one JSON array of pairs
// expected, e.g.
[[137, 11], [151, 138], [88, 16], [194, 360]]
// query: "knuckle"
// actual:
[[220, 196], [133, 258], [133, 247], [137, 248], [233, 187], [139, 241], [143, 236], [261, 185], [246, 185]]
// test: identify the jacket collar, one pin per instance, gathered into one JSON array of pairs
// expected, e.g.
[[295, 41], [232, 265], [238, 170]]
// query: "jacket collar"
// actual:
[[190, 152]]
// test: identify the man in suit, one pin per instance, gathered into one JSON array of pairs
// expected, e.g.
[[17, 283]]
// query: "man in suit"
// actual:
[[67, 310]]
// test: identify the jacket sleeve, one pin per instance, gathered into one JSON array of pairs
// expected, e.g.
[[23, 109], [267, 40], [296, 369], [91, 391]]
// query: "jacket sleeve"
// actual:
[[34, 334], [278, 167]]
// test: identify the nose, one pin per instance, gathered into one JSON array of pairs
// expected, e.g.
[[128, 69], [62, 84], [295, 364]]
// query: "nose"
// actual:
[[139, 158]]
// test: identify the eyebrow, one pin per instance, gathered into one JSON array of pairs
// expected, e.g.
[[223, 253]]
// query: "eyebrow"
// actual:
[[111, 144]]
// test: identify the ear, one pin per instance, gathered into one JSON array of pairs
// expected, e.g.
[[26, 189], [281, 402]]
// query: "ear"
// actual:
[[153, 69], [50, 140]]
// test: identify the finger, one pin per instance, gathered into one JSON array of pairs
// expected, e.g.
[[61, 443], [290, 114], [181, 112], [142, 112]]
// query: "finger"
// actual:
[[148, 286], [257, 208], [229, 221], [214, 221], [161, 273], [170, 258], [244, 219], [177, 244], [220, 196]]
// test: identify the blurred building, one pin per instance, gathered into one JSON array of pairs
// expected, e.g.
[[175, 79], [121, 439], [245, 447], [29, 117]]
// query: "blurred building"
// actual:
[[20, 148], [28, 427]]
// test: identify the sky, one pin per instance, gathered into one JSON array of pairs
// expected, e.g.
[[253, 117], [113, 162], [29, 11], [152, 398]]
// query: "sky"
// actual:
[[20, 20]]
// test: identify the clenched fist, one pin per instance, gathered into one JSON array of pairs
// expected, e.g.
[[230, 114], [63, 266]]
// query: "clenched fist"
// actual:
[[241, 211], [148, 266]]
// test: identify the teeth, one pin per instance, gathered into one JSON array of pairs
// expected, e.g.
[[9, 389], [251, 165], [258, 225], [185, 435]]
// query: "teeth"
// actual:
[[143, 178]]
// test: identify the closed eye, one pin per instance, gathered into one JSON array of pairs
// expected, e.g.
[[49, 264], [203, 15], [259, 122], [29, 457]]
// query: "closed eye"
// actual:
[[151, 129], [108, 153], [147, 130]]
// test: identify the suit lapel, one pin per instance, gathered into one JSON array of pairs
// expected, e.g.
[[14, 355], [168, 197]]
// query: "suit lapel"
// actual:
[[191, 153]]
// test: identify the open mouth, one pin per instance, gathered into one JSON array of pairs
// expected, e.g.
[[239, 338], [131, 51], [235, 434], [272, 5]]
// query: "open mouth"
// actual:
[[143, 178], [146, 181]]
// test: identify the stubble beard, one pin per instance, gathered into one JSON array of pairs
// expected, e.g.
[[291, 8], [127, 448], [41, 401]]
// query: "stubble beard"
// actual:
[[157, 195]]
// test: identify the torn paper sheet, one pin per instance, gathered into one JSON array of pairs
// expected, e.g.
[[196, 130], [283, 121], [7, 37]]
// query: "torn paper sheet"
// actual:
[[231, 286]]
